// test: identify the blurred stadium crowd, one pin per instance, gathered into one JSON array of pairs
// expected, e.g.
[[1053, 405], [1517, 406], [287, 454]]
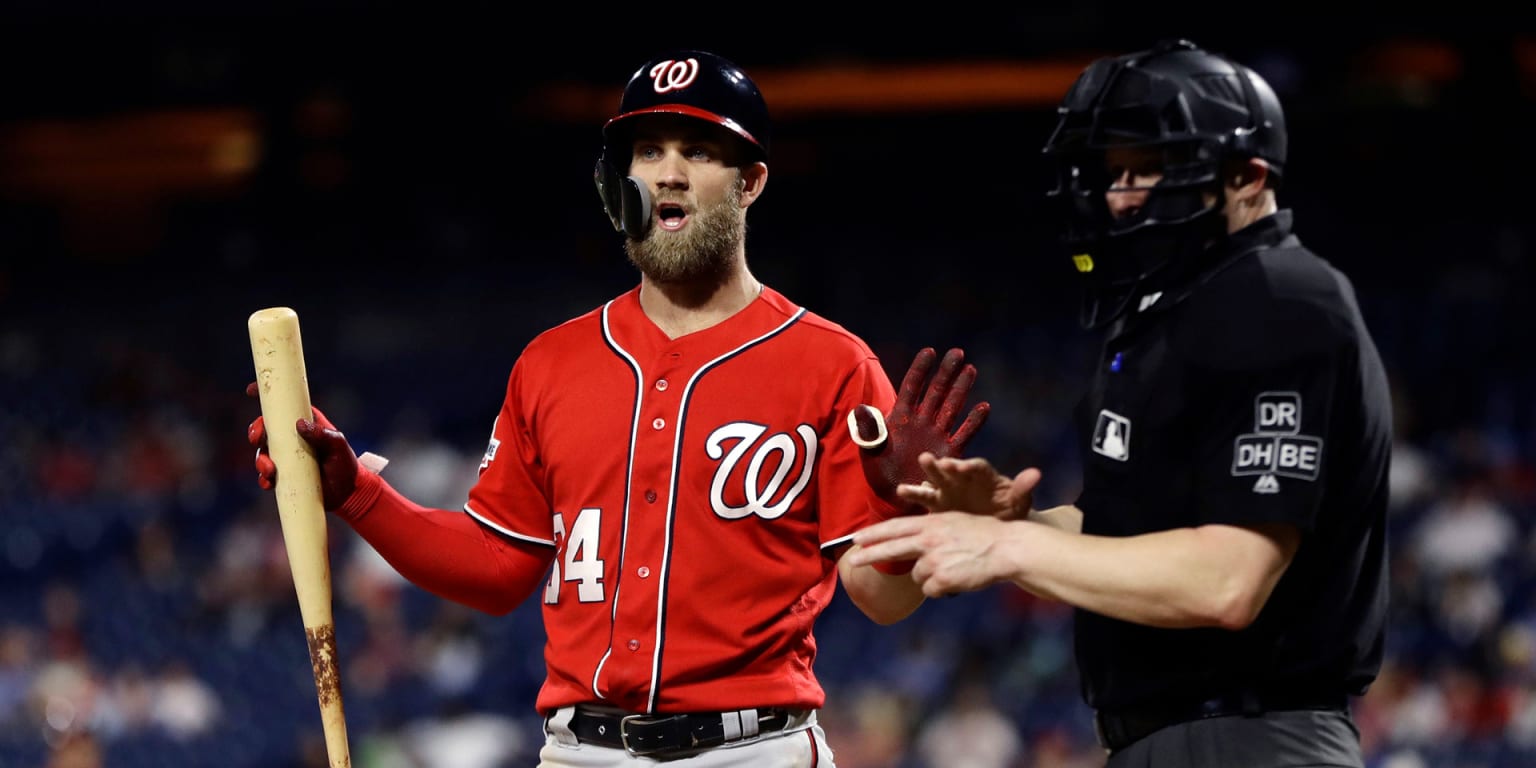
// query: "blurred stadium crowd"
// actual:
[[147, 616]]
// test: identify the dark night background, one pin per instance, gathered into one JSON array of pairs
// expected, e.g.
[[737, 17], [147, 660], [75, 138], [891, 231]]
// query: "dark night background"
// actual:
[[416, 182]]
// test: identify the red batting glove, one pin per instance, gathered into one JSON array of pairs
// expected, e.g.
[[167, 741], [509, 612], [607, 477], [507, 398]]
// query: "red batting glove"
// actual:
[[919, 422], [337, 462]]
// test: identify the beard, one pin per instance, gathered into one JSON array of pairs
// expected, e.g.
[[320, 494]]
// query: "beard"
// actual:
[[705, 249]]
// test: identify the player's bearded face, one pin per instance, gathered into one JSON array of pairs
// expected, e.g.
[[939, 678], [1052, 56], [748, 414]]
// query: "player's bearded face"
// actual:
[[704, 248]]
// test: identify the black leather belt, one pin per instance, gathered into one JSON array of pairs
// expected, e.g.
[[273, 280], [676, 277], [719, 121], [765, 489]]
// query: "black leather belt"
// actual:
[[662, 735], [1122, 728]]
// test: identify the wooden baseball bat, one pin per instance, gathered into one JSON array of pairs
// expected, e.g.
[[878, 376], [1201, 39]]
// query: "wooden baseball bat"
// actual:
[[278, 353]]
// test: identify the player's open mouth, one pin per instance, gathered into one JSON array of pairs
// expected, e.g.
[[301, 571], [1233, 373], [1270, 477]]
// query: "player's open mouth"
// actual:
[[671, 216]]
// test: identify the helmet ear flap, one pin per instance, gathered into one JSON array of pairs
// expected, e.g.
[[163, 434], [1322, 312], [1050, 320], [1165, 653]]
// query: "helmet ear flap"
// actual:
[[606, 178], [636, 215], [626, 199]]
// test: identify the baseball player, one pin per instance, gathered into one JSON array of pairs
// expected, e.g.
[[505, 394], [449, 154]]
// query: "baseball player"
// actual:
[[1227, 553], [678, 472]]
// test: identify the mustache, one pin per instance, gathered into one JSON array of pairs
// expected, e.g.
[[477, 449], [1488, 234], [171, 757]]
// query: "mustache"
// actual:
[[675, 198]]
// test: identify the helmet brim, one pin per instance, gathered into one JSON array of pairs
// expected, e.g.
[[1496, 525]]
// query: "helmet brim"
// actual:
[[610, 128]]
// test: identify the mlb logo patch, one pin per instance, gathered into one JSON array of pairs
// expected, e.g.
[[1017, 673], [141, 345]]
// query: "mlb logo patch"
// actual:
[[1112, 436], [490, 453]]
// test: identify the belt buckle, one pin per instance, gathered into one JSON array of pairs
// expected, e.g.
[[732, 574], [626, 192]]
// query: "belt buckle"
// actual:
[[624, 736]]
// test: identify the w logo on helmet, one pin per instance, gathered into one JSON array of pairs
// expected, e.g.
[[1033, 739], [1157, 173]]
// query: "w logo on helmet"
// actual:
[[672, 75]]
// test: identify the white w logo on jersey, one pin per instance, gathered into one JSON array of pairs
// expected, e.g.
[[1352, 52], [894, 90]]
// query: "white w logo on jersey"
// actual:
[[760, 496]]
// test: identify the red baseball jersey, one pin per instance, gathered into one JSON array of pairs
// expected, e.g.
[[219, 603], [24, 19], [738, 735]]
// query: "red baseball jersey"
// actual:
[[693, 491]]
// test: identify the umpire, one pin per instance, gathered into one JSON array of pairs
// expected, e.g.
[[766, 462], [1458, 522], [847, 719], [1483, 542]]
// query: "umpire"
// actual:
[[1227, 554]]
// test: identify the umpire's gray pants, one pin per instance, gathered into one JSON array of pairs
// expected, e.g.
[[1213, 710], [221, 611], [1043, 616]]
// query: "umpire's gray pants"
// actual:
[[1271, 740]]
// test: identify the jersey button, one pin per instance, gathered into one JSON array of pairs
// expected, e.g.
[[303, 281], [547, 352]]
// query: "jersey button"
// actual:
[[661, 385], [650, 496], [658, 423], [644, 571], [634, 645]]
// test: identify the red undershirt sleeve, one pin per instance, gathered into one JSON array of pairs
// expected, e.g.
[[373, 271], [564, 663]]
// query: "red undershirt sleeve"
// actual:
[[445, 552]]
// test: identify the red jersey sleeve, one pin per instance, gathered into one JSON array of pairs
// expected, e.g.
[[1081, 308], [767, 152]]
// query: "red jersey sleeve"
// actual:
[[509, 495], [846, 501], [444, 552]]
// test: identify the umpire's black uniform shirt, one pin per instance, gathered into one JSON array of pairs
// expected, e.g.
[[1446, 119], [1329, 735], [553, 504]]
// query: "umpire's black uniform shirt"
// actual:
[[1253, 394]]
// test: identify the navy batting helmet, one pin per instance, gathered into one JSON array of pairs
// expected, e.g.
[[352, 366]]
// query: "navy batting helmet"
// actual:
[[1198, 110], [691, 83]]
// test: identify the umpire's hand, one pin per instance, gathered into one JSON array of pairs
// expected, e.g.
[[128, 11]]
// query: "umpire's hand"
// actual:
[[972, 485], [946, 552]]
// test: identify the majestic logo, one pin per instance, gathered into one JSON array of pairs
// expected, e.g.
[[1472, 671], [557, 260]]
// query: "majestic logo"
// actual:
[[672, 75], [768, 497], [1266, 484], [1112, 436], [1276, 445]]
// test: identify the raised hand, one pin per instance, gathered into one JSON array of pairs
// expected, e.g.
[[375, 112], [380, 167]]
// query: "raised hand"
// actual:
[[922, 421], [338, 463]]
